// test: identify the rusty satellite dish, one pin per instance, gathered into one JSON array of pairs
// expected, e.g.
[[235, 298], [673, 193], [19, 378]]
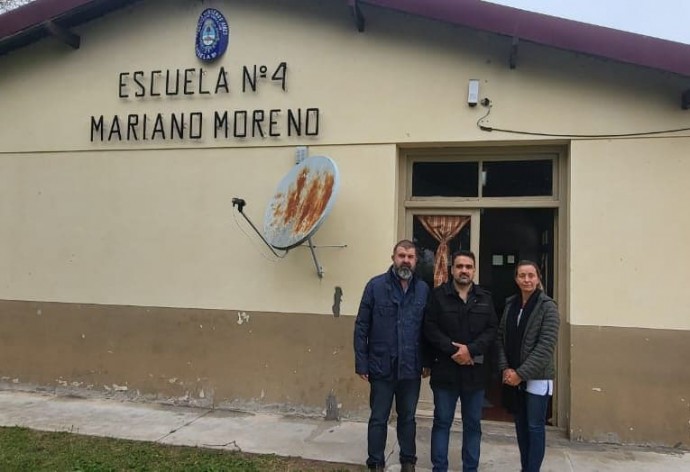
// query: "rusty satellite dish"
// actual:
[[301, 203], [299, 206]]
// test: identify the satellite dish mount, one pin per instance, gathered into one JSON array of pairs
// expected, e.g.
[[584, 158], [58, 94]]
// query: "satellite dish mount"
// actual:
[[301, 203]]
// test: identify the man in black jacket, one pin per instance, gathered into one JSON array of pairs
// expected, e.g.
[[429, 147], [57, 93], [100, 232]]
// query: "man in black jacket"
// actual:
[[460, 325]]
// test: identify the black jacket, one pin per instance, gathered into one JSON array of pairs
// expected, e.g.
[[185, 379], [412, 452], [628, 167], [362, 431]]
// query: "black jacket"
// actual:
[[449, 319]]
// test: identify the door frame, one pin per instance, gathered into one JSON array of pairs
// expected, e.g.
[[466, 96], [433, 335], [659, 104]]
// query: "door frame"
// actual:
[[408, 206]]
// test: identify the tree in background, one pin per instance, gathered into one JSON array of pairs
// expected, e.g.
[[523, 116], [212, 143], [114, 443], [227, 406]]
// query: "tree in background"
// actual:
[[7, 5]]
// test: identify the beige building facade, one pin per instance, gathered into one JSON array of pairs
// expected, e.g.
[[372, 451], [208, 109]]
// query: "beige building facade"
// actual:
[[126, 269]]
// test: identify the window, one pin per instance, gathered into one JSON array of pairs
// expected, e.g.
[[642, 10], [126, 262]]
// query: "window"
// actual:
[[445, 179], [517, 178]]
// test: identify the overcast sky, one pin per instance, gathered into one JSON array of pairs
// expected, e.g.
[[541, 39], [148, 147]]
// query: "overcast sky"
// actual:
[[668, 19]]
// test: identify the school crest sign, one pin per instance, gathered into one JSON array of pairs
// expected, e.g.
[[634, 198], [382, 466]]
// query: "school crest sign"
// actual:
[[212, 35]]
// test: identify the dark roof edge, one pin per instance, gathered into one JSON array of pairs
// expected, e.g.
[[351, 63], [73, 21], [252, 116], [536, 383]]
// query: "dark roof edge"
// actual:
[[551, 31], [35, 14]]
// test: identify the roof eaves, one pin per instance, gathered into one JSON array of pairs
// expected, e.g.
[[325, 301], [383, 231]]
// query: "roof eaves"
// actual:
[[40, 18], [34, 14], [551, 31]]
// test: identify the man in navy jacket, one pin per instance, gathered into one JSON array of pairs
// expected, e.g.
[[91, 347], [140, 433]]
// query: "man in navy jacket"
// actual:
[[388, 353]]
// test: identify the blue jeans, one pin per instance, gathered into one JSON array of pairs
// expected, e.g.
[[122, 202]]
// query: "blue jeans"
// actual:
[[406, 393], [471, 402], [530, 421]]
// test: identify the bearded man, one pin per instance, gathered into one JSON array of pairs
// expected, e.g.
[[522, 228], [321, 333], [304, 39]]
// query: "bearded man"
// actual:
[[388, 353]]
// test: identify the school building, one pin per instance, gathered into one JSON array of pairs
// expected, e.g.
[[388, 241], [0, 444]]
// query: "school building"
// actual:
[[127, 128]]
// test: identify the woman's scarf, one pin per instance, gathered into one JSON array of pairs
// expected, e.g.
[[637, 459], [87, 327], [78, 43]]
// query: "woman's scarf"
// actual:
[[513, 344], [516, 331]]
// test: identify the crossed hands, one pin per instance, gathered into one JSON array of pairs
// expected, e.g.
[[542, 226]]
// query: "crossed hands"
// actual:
[[510, 377], [462, 356]]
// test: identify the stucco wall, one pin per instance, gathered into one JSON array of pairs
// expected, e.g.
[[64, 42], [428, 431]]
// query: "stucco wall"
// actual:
[[404, 80], [154, 226], [158, 229], [628, 233], [630, 327]]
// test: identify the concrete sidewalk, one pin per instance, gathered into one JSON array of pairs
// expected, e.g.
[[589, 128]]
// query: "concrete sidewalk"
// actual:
[[309, 438]]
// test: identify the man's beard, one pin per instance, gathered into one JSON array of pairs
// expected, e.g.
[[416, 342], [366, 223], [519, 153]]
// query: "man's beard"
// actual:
[[403, 272], [463, 280]]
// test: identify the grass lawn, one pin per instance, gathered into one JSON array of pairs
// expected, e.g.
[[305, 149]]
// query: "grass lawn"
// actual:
[[23, 449]]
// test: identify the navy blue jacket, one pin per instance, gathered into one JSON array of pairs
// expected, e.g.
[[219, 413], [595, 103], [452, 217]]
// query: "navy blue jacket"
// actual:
[[389, 328]]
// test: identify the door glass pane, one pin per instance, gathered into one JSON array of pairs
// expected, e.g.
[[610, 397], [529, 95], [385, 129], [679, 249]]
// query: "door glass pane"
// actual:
[[517, 178], [445, 179], [427, 244]]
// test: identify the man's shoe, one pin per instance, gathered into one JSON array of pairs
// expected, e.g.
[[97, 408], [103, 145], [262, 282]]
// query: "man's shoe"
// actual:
[[407, 467], [377, 468]]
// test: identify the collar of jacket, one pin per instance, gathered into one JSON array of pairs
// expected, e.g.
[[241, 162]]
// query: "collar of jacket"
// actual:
[[449, 289], [542, 296]]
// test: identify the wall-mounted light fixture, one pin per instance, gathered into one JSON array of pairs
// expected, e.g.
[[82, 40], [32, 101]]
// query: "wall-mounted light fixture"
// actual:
[[473, 92]]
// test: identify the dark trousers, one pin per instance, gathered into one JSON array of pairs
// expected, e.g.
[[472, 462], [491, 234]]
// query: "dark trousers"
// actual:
[[530, 427], [406, 393], [471, 402]]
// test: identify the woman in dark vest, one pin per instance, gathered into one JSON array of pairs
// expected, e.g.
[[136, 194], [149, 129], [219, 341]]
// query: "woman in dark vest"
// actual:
[[527, 339]]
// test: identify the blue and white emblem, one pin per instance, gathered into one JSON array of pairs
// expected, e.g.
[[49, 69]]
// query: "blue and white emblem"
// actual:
[[212, 35]]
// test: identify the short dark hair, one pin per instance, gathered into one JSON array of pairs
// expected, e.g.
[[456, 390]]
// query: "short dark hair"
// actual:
[[463, 253], [406, 244]]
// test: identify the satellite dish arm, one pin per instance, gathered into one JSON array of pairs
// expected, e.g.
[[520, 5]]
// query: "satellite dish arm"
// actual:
[[319, 268], [240, 204]]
